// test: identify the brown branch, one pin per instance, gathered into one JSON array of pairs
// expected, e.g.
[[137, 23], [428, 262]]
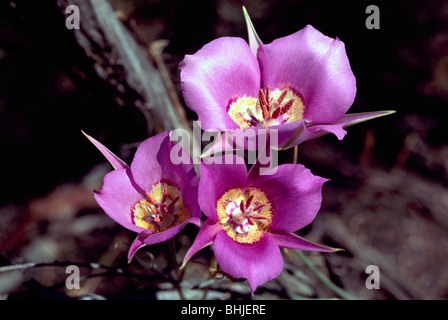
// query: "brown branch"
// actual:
[[121, 62]]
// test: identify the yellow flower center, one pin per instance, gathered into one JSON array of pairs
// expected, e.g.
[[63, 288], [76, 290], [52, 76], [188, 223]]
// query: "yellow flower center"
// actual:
[[244, 214], [162, 208], [276, 107]]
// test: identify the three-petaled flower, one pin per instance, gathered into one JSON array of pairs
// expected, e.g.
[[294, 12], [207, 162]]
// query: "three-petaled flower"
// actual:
[[152, 197], [301, 85], [250, 216]]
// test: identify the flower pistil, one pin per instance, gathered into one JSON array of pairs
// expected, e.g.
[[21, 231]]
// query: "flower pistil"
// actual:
[[244, 214]]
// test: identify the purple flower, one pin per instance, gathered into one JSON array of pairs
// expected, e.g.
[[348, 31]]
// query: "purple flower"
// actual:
[[152, 197], [301, 85], [250, 216]]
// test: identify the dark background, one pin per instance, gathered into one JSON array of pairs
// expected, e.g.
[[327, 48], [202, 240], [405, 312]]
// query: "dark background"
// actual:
[[386, 203]]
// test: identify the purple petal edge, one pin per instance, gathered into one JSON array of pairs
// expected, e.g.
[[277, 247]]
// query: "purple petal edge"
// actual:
[[146, 238], [137, 244], [316, 66], [116, 162], [258, 262], [218, 177], [355, 118], [312, 131], [254, 40], [204, 238], [293, 241]]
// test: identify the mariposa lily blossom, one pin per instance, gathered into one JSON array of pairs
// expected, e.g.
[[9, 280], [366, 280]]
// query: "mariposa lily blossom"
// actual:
[[152, 196], [250, 216], [301, 85]]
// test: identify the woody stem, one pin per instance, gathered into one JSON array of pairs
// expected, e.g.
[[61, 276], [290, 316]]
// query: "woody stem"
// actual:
[[173, 259], [172, 256]]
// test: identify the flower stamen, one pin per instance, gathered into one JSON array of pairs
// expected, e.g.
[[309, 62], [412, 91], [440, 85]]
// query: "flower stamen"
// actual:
[[268, 96], [269, 108], [242, 206], [263, 104], [161, 209], [164, 196], [281, 98], [171, 205], [282, 109], [152, 209], [151, 200], [244, 214], [249, 200], [259, 207]]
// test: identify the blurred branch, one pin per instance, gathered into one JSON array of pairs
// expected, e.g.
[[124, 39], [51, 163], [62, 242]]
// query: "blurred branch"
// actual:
[[156, 50], [29, 265], [123, 64], [89, 265]]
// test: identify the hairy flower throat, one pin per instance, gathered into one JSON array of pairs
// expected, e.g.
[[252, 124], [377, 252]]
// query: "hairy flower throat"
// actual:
[[161, 209], [272, 108], [244, 214]]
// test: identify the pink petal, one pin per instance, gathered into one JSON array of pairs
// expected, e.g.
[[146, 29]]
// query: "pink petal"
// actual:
[[295, 135], [236, 139], [138, 243], [216, 179], [295, 194], [355, 118], [254, 40], [116, 162], [146, 238], [222, 70], [152, 163], [147, 165], [289, 134], [265, 162], [293, 241], [164, 235], [205, 237], [297, 132], [316, 66], [118, 196], [258, 262], [190, 200]]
